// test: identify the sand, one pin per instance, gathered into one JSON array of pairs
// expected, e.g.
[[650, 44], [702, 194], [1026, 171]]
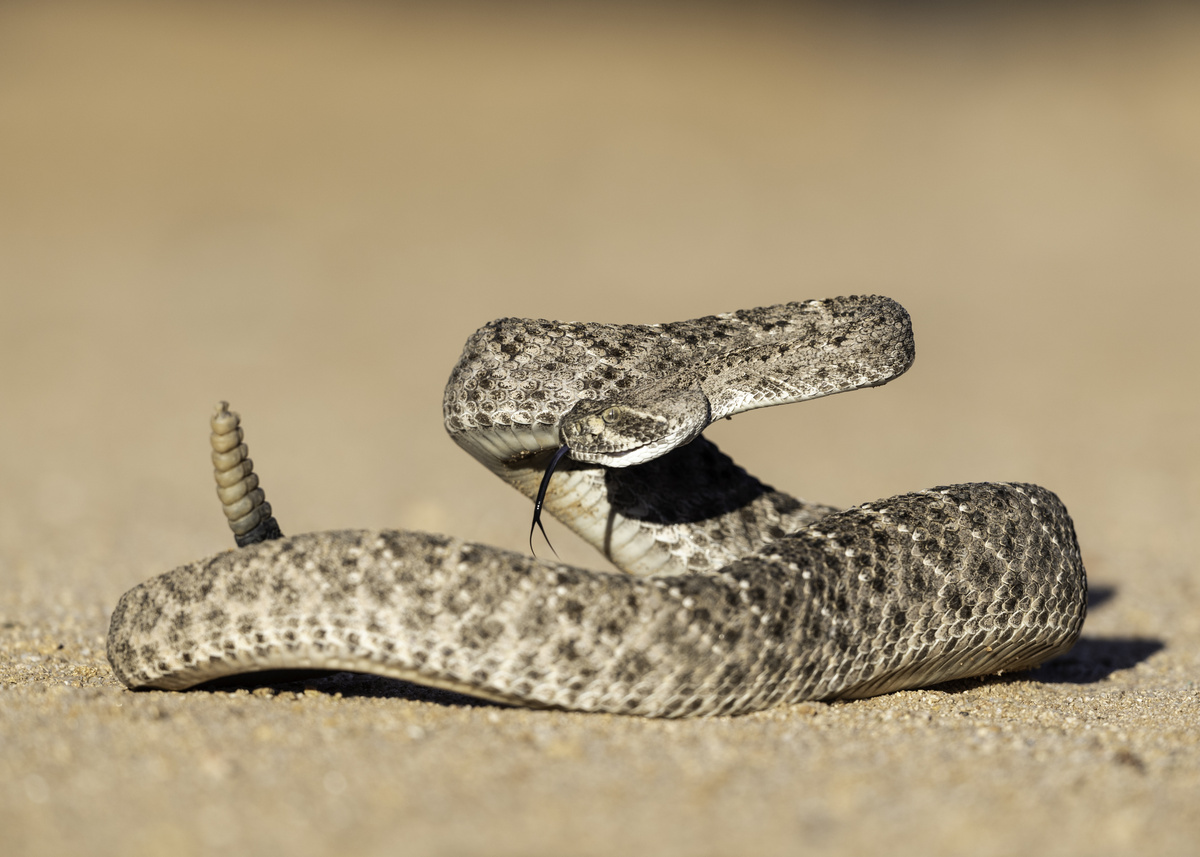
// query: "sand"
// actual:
[[307, 208]]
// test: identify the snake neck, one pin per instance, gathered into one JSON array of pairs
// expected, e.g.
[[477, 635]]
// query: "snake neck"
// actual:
[[692, 509]]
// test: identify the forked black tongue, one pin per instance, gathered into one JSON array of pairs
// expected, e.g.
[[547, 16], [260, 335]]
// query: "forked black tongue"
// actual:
[[541, 495]]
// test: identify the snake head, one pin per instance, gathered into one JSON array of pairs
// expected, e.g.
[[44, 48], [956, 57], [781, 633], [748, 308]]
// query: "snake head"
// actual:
[[640, 427]]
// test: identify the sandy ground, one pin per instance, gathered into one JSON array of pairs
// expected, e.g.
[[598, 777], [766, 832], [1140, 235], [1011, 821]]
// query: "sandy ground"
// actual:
[[306, 208]]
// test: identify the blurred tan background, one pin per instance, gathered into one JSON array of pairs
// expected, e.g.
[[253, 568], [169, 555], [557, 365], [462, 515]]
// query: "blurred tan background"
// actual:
[[306, 208]]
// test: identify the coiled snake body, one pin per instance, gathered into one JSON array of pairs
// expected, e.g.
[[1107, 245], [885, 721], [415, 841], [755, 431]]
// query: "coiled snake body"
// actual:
[[731, 596]]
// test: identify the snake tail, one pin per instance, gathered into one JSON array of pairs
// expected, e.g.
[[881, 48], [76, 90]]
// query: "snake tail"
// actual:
[[243, 501]]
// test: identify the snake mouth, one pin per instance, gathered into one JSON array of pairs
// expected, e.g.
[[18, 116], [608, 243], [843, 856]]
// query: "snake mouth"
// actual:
[[616, 458]]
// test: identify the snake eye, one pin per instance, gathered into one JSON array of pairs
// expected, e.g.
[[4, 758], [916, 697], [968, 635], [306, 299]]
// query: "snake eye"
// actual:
[[611, 415]]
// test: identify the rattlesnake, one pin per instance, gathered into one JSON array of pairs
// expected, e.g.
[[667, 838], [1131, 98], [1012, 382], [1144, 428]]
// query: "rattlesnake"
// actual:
[[731, 596]]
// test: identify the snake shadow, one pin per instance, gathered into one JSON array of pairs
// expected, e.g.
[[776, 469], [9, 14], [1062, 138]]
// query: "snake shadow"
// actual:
[[1098, 595], [700, 481], [1093, 659], [345, 684], [1090, 660]]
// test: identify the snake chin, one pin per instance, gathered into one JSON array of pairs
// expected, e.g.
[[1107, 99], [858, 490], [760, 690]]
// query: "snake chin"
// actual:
[[638, 454]]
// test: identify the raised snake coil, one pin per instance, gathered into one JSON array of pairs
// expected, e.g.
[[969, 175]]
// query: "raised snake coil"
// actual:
[[732, 597]]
